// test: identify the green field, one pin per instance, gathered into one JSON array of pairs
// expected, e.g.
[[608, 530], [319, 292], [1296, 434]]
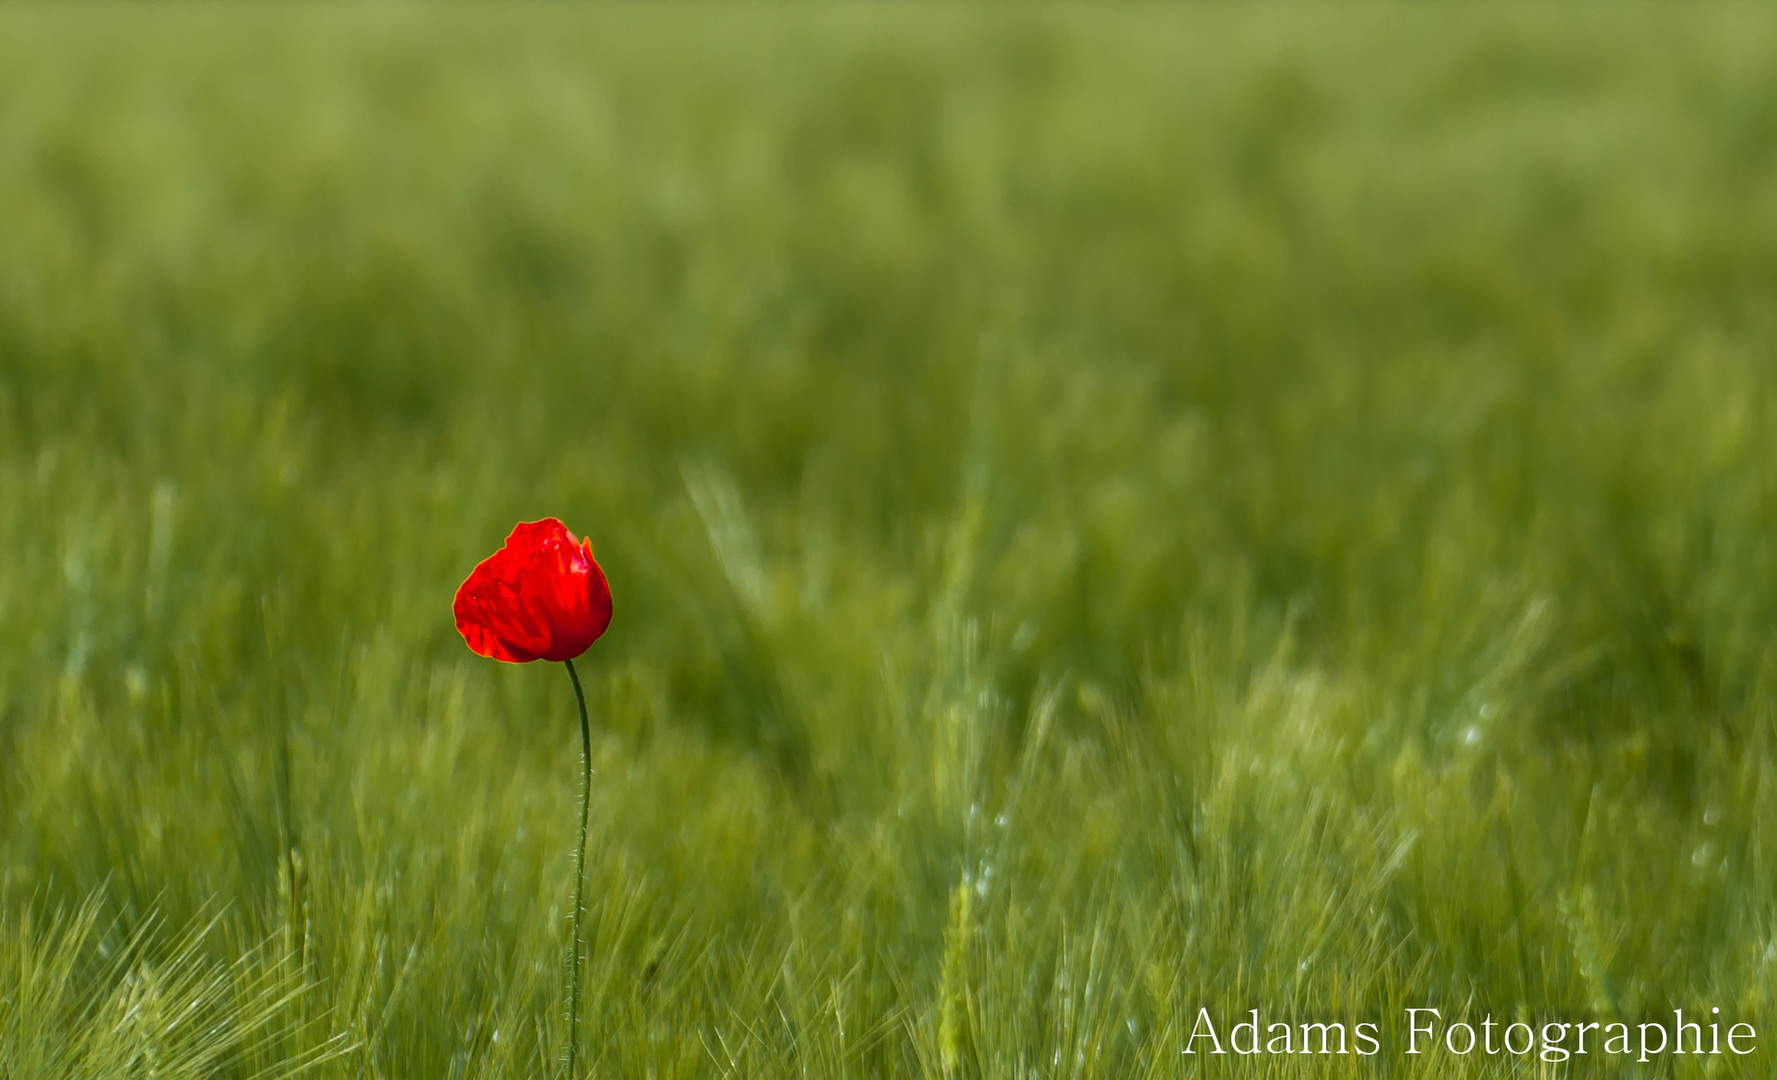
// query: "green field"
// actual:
[[1112, 512]]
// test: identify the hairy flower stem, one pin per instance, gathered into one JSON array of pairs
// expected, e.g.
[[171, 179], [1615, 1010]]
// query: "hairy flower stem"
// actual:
[[575, 961]]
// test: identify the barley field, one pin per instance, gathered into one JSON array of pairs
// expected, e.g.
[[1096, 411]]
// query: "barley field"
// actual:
[[1119, 517]]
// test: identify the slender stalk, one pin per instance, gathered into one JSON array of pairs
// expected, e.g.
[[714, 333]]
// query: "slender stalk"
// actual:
[[575, 961]]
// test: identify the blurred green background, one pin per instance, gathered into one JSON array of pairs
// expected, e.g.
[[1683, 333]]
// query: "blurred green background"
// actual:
[[1110, 511]]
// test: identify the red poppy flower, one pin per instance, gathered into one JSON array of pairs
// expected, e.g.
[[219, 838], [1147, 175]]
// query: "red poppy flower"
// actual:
[[541, 597]]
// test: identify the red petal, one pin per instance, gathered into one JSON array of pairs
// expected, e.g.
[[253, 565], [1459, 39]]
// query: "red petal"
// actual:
[[541, 596]]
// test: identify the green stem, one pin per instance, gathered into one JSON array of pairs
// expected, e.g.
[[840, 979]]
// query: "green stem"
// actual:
[[575, 962]]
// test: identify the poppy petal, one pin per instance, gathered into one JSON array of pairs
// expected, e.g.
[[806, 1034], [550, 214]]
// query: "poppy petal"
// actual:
[[542, 596]]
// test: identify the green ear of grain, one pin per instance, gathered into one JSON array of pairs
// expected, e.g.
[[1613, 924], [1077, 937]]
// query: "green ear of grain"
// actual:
[[953, 986], [87, 1000]]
